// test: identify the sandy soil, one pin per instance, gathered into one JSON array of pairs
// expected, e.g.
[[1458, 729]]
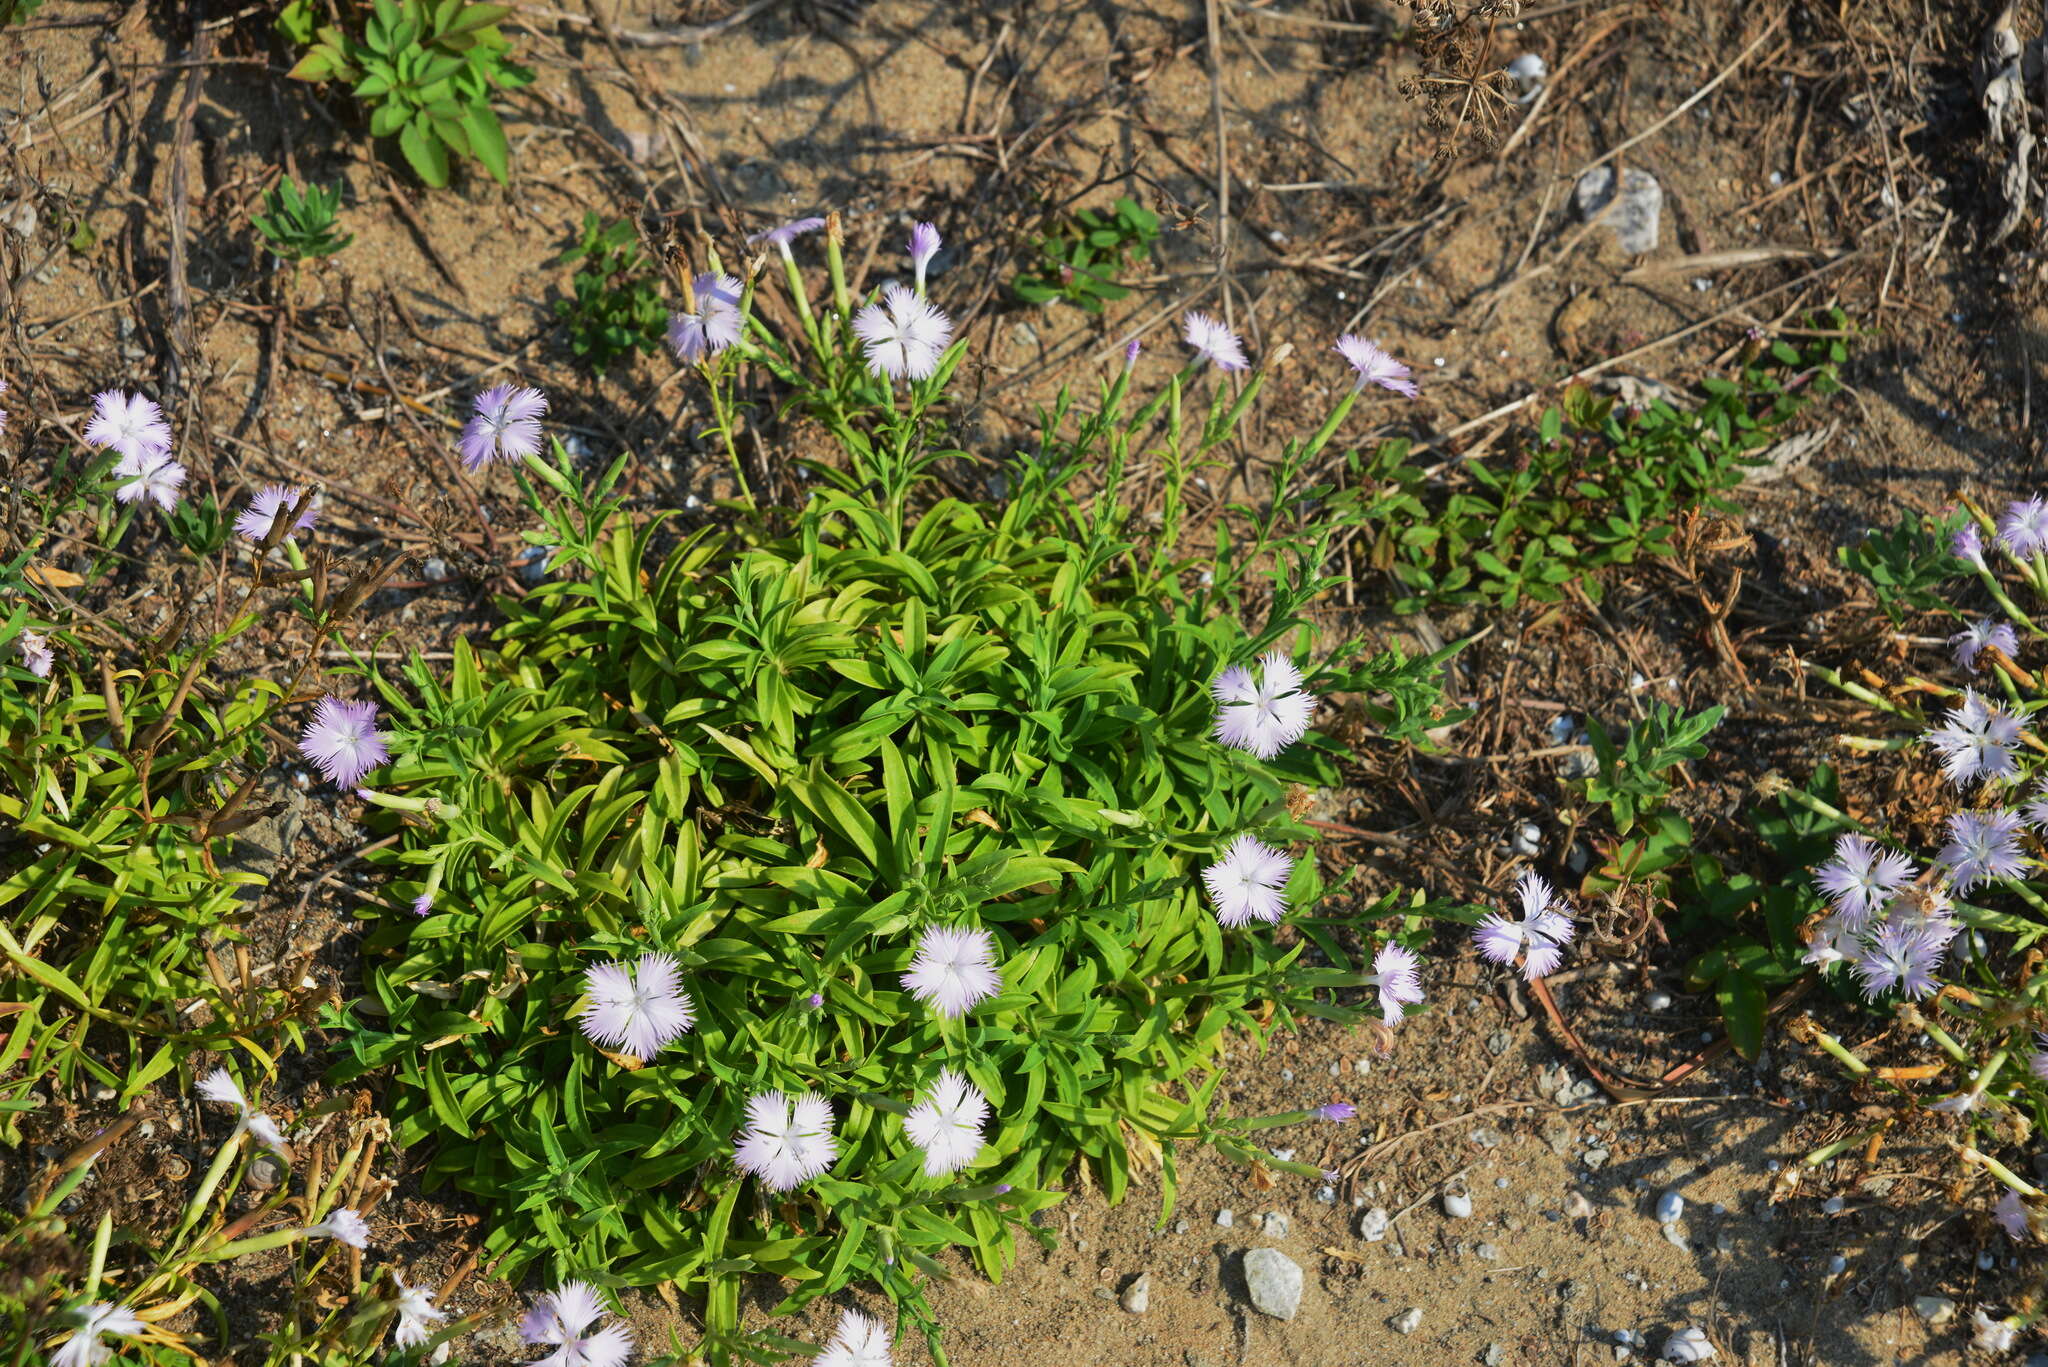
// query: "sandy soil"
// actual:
[[1844, 142]]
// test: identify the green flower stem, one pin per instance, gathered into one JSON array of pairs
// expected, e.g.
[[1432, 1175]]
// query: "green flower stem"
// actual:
[[221, 1160], [1330, 425], [723, 418], [257, 1243], [1840, 1052], [836, 263], [1860, 693], [2001, 1172], [432, 806], [1946, 1041], [1821, 808], [101, 1237], [1843, 1145], [802, 299]]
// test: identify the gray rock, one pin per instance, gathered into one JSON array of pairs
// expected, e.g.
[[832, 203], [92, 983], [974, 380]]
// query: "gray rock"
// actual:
[[1487, 1252], [1934, 1309], [1274, 1224], [1557, 1133], [1372, 1226], [1274, 1281], [1225, 1218], [1137, 1297], [1457, 1205], [1494, 1355], [1499, 1042], [1633, 214], [1670, 1206], [1408, 1321], [1597, 1158]]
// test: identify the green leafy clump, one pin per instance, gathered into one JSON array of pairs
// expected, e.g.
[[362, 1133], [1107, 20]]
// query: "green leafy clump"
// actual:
[[425, 69], [615, 307], [1908, 565], [778, 754], [300, 224], [1599, 486], [1078, 259]]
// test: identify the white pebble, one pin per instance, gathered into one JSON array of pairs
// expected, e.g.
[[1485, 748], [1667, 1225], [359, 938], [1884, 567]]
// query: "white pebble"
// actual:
[[1457, 1205], [1670, 1206], [1225, 1218]]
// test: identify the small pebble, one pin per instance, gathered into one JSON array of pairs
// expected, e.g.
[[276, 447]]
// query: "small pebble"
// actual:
[[1137, 1297], [1274, 1224], [1225, 1218], [1934, 1309], [1837, 1265], [1658, 1001], [1457, 1205], [1372, 1226], [1832, 1206], [1408, 1321], [1670, 1206]]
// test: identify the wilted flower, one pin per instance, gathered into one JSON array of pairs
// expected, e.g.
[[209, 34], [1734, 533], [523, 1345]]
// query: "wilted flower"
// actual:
[[1982, 846], [715, 325], [1249, 883], [2023, 528], [83, 1348], [1976, 742], [152, 475], [947, 1124], [1972, 639], [1262, 718], [343, 1226], [641, 1010], [2037, 1061], [1834, 941], [1528, 71], [36, 656], [505, 426], [1990, 1335], [343, 740], [859, 1341], [416, 1314], [1901, 958], [904, 335], [564, 1318], [2012, 1216], [787, 233], [219, 1086], [1375, 366], [1215, 341], [423, 904], [924, 245], [266, 506], [1394, 973], [1967, 543], [954, 967], [128, 423], [786, 1145], [1336, 1112], [1540, 936], [1861, 878]]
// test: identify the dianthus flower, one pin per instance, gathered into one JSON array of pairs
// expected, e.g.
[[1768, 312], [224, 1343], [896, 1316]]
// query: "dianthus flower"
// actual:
[[1982, 846], [904, 335], [924, 245], [36, 656], [954, 967], [2012, 1215], [219, 1086], [1264, 718], [1967, 543], [2037, 1061], [1834, 941], [1336, 1112], [564, 1318], [128, 423], [152, 475], [83, 1348], [947, 1124], [640, 1011], [343, 740], [1375, 366], [858, 1341], [1971, 640], [786, 233], [1539, 937], [1901, 958], [714, 325], [344, 1226], [1861, 878], [266, 506], [1976, 742], [2023, 527], [786, 1144], [504, 426], [417, 1315], [1395, 972], [1215, 341], [1249, 883]]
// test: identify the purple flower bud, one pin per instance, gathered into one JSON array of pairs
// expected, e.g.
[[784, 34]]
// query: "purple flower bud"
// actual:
[[1004, 1188], [423, 904], [1131, 353], [924, 245], [815, 1000], [1968, 544], [1335, 1111]]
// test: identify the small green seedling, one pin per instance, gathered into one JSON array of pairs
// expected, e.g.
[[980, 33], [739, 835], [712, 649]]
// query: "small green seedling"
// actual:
[[1078, 261], [300, 224], [615, 305]]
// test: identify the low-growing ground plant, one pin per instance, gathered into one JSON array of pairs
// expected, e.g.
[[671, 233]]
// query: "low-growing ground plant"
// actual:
[[1600, 485], [801, 894], [614, 307], [132, 762], [1078, 259], [301, 224], [424, 71]]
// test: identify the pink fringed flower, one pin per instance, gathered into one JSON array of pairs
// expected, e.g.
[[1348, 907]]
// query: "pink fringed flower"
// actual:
[[1215, 341], [714, 325], [344, 742], [83, 1348], [1374, 366], [786, 1144], [1396, 973], [954, 968], [640, 1011], [565, 1319], [505, 426], [1249, 883], [267, 505], [1264, 718], [947, 1124], [924, 245], [1538, 938], [36, 656], [859, 1341], [219, 1086], [128, 423], [151, 475], [903, 334]]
